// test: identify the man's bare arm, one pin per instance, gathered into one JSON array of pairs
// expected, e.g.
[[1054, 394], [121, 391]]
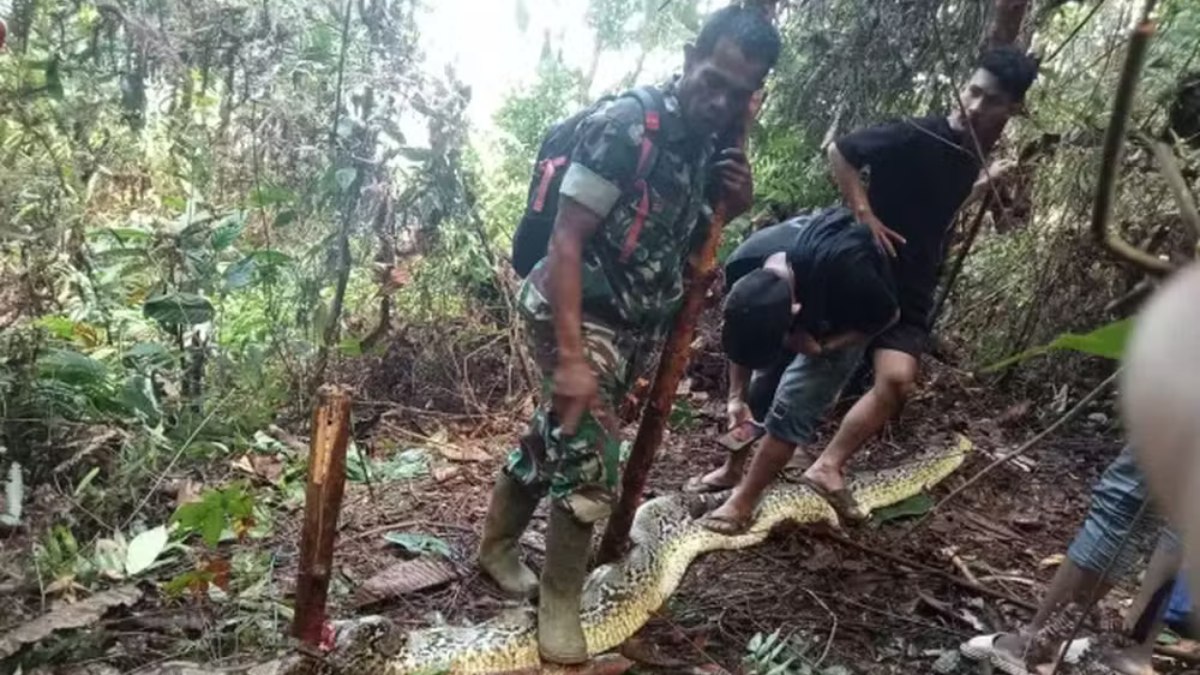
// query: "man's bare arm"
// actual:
[[574, 381], [854, 193]]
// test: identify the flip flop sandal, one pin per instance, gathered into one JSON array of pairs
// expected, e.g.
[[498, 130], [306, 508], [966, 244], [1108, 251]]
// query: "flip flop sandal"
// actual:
[[983, 648], [696, 486], [841, 500], [725, 525]]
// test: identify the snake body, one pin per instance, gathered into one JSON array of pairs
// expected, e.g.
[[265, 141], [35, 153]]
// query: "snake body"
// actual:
[[619, 598]]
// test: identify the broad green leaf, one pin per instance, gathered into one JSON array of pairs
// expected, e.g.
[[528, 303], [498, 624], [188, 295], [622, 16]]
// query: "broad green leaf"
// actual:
[[916, 505], [71, 367], [138, 395], [285, 217], [241, 273], [144, 549], [228, 230], [418, 544], [1107, 342], [148, 356], [345, 177], [178, 309]]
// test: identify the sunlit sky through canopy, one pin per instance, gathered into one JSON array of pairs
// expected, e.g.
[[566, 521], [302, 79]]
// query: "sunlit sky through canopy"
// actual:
[[492, 54]]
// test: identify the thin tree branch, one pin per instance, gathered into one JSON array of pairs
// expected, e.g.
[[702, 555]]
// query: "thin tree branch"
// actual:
[[1114, 146]]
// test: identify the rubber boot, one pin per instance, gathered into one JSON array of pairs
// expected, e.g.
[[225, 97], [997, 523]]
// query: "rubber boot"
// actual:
[[508, 515], [560, 634]]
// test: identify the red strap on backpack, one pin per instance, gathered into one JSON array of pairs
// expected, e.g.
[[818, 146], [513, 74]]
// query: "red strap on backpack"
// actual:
[[550, 166], [642, 210]]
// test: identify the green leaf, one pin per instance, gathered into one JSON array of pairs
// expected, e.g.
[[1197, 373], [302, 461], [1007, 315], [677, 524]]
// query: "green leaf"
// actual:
[[138, 395], [418, 544], [70, 366], [178, 309], [345, 177], [228, 230], [145, 549], [350, 347], [270, 196], [285, 217], [216, 510], [1107, 342], [148, 356], [58, 326], [916, 505], [241, 273], [402, 466]]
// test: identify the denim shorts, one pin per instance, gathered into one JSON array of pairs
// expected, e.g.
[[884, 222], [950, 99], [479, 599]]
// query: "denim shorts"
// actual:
[[790, 397], [1113, 517]]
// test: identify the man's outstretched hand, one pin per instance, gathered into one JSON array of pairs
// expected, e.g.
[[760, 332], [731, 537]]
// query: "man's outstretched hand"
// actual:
[[575, 388], [732, 173]]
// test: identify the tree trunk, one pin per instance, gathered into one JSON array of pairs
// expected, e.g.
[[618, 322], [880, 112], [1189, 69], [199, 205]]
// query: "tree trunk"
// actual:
[[1006, 23]]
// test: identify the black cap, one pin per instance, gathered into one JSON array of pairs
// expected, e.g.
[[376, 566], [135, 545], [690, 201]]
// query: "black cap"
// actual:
[[757, 316]]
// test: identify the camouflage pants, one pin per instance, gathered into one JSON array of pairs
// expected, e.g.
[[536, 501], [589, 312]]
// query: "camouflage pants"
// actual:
[[578, 471]]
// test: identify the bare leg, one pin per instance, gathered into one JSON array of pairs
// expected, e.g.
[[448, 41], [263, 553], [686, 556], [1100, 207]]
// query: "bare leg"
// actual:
[[729, 473], [1144, 621], [895, 378], [773, 454], [1071, 583]]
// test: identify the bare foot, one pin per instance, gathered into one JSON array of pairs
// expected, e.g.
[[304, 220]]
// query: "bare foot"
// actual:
[[724, 477], [826, 476]]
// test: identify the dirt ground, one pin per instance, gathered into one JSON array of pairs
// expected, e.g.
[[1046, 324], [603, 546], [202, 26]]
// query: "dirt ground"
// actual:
[[858, 608], [855, 607]]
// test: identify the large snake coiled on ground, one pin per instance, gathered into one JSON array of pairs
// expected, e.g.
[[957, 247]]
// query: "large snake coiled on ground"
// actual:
[[620, 597]]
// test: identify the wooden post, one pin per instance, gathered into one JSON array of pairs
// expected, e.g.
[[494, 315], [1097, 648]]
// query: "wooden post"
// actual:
[[322, 504], [697, 278]]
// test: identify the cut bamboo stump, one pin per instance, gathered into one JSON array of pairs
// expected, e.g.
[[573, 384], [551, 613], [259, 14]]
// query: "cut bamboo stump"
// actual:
[[322, 504]]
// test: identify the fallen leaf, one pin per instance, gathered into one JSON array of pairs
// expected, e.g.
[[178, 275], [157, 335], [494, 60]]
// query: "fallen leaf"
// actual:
[[65, 617], [144, 549], [187, 492], [442, 474], [1052, 561], [417, 544], [404, 577], [458, 453], [269, 467]]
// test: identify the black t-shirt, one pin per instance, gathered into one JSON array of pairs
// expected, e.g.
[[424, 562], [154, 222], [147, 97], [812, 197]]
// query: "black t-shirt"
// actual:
[[920, 172], [842, 280]]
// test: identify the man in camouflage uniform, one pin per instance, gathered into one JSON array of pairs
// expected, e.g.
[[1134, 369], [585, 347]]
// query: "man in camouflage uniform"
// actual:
[[604, 294]]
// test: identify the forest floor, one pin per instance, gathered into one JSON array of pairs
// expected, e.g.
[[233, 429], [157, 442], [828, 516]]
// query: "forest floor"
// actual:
[[850, 604]]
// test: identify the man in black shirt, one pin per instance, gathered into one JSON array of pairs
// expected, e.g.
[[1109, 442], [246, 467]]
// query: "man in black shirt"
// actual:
[[919, 172]]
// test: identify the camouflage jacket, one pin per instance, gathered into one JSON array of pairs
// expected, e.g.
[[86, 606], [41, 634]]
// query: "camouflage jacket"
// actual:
[[633, 278]]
